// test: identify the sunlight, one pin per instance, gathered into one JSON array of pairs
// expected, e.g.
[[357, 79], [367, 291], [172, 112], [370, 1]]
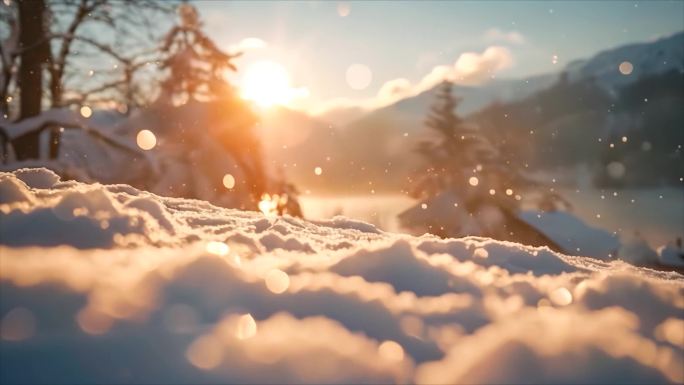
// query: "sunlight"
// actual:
[[267, 83]]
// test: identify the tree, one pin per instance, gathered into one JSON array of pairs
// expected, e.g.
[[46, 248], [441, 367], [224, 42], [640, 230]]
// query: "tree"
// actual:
[[196, 65], [458, 150], [114, 30], [462, 162], [33, 54], [50, 34], [123, 20], [195, 73]]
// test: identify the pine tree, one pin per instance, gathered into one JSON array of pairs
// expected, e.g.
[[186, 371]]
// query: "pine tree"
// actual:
[[464, 162], [197, 66], [196, 73], [456, 152]]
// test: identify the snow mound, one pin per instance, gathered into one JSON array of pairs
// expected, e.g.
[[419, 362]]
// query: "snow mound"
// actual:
[[108, 284], [571, 233]]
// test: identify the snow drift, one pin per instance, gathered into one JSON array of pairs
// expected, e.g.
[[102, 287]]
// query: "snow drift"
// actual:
[[109, 284]]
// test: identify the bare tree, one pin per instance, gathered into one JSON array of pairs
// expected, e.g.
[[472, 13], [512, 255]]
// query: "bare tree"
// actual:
[[58, 36], [34, 52], [124, 21]]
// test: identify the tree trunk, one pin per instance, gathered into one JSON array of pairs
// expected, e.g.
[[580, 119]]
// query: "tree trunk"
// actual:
[[34, 52], [56, 95]]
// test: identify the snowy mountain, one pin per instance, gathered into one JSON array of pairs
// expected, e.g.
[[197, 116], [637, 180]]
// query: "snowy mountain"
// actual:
[[384, 139], [649, 58], [110, 284], [408, 113]]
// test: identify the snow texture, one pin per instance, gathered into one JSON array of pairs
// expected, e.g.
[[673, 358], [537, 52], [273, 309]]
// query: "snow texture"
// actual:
[[109, 284]]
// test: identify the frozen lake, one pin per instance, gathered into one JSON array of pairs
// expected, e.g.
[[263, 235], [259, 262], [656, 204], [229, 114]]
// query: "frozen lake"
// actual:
[[657, 214]]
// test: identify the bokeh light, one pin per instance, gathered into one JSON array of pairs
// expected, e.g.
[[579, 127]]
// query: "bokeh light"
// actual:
[[277, 281], [228, 181], [205, 352], [217, 248], [146, 140], [626, 68], [359, 76], [246, 327], [86, 111], [391, 351]]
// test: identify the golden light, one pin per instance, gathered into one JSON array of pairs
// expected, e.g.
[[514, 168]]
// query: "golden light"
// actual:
[[277, 281], [228, 181], [391, 351], [146, 140], [473, 181], [318, 171], [217, 248], [561, 296], [86, 111], [246, 327], [268, 204], [267, 83]]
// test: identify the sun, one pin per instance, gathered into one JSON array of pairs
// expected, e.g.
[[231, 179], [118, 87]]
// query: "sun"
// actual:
[[267, 83]]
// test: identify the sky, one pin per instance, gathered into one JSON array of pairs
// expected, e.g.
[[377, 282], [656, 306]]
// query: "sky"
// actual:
[[344, 53]]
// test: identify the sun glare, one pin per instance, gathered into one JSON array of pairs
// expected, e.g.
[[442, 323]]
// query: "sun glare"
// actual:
[[267, 83]]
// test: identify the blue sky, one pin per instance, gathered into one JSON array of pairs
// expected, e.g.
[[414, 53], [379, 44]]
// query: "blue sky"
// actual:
[[408, 39]]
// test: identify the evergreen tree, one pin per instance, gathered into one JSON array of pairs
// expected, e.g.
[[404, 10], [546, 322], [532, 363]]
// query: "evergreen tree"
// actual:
[[462, 161], [197, 66], [457, 151], [196, 73]]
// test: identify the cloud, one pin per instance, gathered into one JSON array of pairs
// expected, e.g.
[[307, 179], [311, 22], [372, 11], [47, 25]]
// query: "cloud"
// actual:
[[512, 37], [471, 68], [394, 87]]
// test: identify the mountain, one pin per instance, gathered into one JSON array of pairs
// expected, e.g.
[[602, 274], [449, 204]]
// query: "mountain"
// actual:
[[649, 58], [566, 111]]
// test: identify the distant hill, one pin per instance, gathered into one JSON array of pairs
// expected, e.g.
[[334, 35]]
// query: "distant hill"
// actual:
[[649, 58], [548, 121]]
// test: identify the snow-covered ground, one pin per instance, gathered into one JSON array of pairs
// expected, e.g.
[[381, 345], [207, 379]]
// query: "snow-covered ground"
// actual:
[[109, 284]]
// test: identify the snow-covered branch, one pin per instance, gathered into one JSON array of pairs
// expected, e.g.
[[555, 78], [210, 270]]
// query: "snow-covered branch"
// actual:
[[61, 118]]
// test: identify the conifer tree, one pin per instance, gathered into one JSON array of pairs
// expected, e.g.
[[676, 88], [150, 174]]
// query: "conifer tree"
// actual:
[[462, 161], [457, 150], [197, 66]]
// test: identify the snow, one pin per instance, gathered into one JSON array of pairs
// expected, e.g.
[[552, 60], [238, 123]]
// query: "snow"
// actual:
[[109, 284], [671, 255], [572, 234]]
